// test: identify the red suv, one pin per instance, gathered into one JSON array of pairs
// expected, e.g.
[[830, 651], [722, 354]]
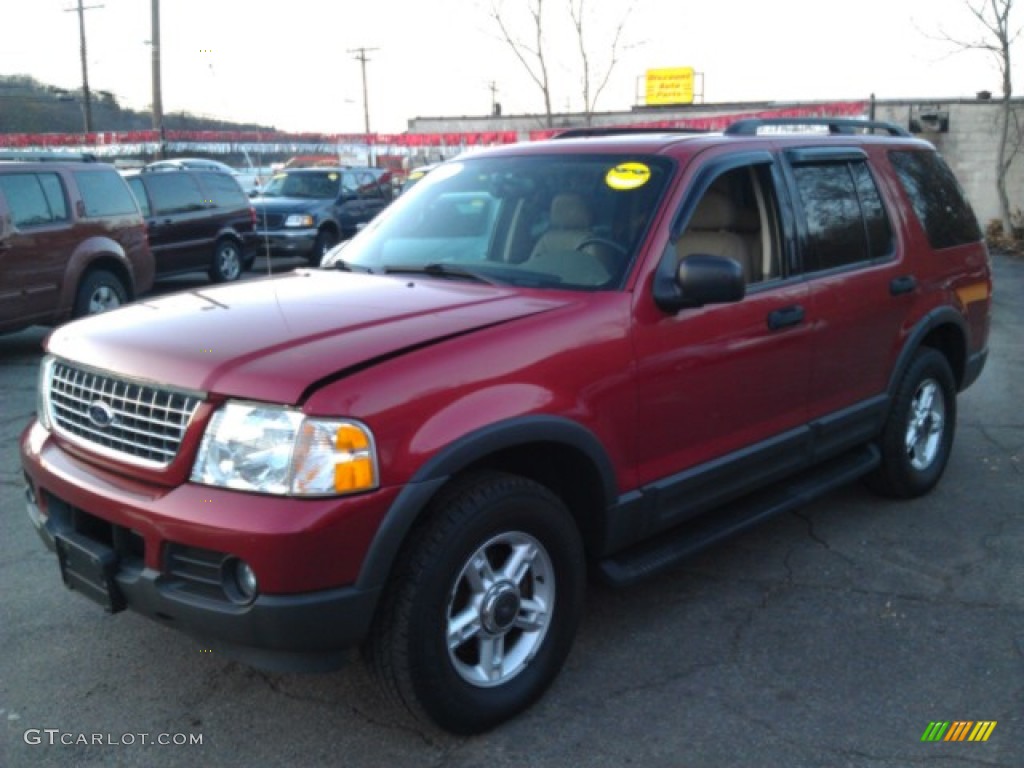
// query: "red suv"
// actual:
[[72, 240], [604, 350]]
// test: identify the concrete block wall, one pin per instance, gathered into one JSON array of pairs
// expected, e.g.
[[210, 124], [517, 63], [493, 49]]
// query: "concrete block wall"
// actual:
[[970, 146]]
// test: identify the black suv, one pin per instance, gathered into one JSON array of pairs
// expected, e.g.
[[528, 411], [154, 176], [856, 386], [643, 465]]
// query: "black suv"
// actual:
[[305, 211], [72, 241], [198, 220]]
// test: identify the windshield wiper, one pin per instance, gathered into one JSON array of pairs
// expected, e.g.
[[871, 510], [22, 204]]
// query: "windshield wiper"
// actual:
[[344, 266], [437, 269]]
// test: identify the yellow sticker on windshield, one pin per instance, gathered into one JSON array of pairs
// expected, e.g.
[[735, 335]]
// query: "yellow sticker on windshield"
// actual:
[[332, 176], [628, 176]]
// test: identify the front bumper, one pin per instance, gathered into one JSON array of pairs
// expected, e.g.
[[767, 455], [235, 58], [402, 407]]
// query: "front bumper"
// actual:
[[286, 242], [169, 554]]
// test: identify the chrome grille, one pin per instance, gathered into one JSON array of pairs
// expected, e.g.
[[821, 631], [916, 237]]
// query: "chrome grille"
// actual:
[[269, 220], [134, 421]]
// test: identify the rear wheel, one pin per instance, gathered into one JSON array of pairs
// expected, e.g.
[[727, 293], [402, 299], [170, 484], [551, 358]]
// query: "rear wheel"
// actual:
[[918, 435], [227, 261], [99, 291], [485, 604]]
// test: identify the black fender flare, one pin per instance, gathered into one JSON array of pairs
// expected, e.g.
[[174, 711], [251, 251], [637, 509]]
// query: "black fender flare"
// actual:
[[915, 339], [455, 457]]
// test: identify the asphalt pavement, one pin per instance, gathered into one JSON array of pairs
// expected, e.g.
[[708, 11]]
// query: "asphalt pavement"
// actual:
[[834, 636]]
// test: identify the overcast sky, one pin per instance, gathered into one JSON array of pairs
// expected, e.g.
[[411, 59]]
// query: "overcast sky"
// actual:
[[287, 63]]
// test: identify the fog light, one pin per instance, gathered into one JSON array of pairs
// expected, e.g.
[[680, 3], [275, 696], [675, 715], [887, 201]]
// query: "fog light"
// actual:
[[35, 512], [240, 583]]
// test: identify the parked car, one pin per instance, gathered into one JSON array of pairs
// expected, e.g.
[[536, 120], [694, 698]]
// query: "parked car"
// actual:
[[249, 179], [594, 354], [72, 241], [306, 211], [199, 220], [416, 175]]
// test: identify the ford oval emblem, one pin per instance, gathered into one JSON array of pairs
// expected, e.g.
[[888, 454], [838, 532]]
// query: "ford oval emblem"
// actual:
[[101, 414]]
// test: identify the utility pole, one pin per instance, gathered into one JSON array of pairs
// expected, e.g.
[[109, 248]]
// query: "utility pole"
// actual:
[[495, 106], [158, 97], [361, 58], [86, 98]]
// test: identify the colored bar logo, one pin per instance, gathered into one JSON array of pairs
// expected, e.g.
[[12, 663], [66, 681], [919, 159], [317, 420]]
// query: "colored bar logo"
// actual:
[[958, 730]]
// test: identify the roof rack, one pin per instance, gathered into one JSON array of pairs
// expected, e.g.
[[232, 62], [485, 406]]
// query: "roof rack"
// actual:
[[835, 125], [14, 154], [617, 130]]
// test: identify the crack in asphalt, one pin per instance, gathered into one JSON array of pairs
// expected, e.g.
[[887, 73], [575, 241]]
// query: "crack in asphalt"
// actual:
[[812, 534], [273, 683]]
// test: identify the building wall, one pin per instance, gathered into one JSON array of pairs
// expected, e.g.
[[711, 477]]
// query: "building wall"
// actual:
[[970, 146], [969, 143]]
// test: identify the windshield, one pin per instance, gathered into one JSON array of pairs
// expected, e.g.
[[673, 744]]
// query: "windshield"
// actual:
[[317, 185], [569, 221]]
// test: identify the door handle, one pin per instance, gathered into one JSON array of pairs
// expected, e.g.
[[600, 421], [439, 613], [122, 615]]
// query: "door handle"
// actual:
[[902, 284], [785, 317]]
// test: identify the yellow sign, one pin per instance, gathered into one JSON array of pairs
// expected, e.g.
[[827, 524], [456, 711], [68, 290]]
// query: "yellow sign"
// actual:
[[628, 176], [669, 86]]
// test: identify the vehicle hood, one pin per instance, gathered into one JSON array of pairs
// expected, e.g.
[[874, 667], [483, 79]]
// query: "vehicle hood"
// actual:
[[274, 339]]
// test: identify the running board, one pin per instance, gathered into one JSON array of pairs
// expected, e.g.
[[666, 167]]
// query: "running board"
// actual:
[[666, 550]]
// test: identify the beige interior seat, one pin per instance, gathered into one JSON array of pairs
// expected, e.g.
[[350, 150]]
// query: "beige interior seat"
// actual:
[[558, 252], [712, 231]]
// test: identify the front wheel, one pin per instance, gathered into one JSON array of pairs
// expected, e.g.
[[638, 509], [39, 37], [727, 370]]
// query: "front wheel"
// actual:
[[325, 240], [484, 606], [918, 434]]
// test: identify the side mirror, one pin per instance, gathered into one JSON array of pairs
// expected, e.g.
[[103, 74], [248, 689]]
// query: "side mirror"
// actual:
[[700, 279]]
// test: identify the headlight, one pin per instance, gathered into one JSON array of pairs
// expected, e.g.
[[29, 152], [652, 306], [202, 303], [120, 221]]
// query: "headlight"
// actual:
[[303, 220], [269, 449], [43, 391]]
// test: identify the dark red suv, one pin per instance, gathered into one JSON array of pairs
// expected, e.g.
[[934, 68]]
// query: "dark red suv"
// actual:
[[603, 351]]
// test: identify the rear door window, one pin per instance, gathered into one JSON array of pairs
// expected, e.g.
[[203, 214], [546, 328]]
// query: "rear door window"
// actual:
[[34, 199], [174, 193], [846, 221], [104, 193], [936, 197]]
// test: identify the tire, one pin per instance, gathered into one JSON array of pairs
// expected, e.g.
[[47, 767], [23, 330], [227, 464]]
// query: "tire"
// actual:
[[227, 261], [498, 567], [99, 291], [918, 434], [325, 240]]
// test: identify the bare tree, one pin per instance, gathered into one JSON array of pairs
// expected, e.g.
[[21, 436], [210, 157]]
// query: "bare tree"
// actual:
[[533, 55], [997, 38], [530, 55], [591, 93]]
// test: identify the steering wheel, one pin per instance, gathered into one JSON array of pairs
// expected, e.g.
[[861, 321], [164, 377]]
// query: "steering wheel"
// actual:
[[618, 248]]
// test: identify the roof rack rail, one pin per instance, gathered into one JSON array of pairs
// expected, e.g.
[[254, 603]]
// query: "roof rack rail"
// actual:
[[15, 154], [618, 130], [835, 125]]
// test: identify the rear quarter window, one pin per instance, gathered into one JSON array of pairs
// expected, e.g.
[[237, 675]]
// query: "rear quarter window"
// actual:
[[223, 190], [104, 193], [936, 197]]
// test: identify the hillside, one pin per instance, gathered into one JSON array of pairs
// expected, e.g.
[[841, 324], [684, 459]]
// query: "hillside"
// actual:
[[28, 106]]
